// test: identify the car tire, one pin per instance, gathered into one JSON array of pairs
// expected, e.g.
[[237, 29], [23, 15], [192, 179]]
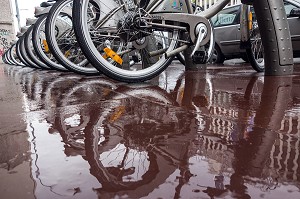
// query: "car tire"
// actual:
[[244, 57], [217, 56]]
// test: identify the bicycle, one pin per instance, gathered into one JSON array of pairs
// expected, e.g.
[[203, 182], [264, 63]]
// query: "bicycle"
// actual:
[[134, 41], [29, 46], [39, 38], [62, 41]]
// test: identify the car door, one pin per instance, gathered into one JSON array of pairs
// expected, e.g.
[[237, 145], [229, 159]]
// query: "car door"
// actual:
[[294, 23], [226, 26]]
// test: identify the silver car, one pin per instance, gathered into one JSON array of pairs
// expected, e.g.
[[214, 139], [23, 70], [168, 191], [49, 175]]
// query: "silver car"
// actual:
[[227, 33]]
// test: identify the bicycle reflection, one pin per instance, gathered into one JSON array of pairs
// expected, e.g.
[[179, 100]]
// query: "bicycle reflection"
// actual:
[[136, 139]]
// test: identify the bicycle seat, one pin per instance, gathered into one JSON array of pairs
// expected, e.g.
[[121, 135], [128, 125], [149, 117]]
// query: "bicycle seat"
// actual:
[[24, 29], [46, 4], [30, 21], [19, 34]]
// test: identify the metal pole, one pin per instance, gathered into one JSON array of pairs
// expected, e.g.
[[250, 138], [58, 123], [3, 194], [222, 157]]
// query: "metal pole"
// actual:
[[18, 14]]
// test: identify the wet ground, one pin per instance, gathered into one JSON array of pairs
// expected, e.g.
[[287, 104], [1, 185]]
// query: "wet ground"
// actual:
[[224, 133]]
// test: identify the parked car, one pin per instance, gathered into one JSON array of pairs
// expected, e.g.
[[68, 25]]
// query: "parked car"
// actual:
[[227, 34]]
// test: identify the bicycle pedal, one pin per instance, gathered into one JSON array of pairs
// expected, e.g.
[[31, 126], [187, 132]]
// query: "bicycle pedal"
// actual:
[[199, 57]]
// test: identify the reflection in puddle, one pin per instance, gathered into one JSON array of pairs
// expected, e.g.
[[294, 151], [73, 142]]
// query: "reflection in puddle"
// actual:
[[208, 136]]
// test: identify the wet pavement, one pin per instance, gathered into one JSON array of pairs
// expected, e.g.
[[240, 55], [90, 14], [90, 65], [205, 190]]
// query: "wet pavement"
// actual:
[[224, 133]]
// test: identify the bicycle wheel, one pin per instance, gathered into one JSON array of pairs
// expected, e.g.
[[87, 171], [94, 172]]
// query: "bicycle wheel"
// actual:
[[40, 44], [130, 136], [4, 57], [24, 53], [275, 36], [121, 49], [8, 56], [62, 41], [255, 54], [30, 50], [16, 57], [18, 54]]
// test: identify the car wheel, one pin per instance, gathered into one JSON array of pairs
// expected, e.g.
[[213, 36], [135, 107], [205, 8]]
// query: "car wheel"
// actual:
[[245, 58], [217, 57], [256, 53]]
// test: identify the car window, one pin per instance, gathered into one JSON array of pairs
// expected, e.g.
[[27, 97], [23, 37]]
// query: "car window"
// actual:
[[288, 8], [229, 16]]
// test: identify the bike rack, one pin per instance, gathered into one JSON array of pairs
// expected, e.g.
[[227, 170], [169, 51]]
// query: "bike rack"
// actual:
[[282, 64], [189, 63], [274, 65]]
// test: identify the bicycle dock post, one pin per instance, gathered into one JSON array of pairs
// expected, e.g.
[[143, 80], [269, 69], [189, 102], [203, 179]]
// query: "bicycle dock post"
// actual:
[[189, 62], [278, 47]]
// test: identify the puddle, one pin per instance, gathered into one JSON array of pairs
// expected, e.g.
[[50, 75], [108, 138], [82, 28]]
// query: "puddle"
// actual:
[[202, 136]]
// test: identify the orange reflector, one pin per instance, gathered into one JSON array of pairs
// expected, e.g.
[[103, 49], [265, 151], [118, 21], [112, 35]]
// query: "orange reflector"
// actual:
[[67, 53], [250, 18], [110, 53], [117, 114], [46, 47]]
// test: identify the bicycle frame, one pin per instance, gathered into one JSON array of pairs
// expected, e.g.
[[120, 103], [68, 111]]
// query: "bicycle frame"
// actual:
[[161, 11], [178, 13]]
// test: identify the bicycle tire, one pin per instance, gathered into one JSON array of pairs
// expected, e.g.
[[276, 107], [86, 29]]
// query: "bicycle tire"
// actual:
[[7, 59], [18, 55], [30, 50], [91, 52], [24, 53], [8, 56], [255, 53], [152, 175], [37, 30], [56, 13], [275, 35], [4, 57]]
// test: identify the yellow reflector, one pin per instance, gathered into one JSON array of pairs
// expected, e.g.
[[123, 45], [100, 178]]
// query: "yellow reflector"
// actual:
[[106, 91], [46, 47], [250, 18], [110, 53], [117, 114], [67, 53]]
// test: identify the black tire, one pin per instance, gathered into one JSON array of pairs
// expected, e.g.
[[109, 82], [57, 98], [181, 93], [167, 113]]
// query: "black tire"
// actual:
[[217, 56], [180, 57], [8, 61], [16, 56], [275, 36], [24, 53], [30, 50], [58, 50], [7, 58], [255, 54], [37, 29], [244, 57], [4, 58]]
